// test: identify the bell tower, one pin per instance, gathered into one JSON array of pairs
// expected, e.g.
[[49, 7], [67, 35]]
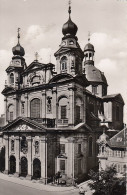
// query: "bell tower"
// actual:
[[69, 56], [17, 65]]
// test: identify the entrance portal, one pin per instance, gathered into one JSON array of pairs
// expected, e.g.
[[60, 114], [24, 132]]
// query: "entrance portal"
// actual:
[[12, 165], [24, 167], [36, 169]]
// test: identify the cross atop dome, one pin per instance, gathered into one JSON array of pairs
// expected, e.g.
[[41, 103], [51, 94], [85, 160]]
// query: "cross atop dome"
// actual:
[[18, 34], [69, 9], [89, 35], [36, 56]]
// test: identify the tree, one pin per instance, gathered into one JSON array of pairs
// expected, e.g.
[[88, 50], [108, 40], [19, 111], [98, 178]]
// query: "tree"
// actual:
[[105, 182], [2, 159]]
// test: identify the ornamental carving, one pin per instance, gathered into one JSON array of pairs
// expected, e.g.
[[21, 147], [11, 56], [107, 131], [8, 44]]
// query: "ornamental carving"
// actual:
[[24, 145]]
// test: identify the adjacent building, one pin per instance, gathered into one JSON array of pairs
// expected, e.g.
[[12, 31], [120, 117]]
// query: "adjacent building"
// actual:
[[113, 151]]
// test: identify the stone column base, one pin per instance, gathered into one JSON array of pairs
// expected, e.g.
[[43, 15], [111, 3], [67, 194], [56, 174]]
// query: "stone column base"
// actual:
[[28, 177], [16, 174], [6, 172]]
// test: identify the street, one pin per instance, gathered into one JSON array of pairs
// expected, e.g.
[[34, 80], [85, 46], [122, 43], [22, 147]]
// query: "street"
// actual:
[[10, 188]]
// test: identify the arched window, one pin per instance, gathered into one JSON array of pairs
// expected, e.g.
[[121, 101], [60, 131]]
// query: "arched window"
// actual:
[[63, 103], [35, 108], [35, 80], [10, 112], [71, 42], [11, 78], [90, 146], [64, 63]]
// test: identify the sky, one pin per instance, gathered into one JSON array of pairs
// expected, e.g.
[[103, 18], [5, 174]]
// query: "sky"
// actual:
[[41, 24]]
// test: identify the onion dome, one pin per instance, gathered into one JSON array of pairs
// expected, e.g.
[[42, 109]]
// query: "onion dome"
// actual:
[[69, 28], [89, 47], [18, 49]]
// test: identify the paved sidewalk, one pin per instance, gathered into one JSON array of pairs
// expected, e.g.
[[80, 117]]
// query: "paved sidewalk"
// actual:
[[35, 184]]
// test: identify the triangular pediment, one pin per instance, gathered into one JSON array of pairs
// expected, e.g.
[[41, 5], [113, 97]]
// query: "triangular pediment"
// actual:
[[62, 50], [24, 125], [33, 66]]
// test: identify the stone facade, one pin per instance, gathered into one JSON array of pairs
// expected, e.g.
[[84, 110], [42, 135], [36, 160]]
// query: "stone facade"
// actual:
[[53, 119]]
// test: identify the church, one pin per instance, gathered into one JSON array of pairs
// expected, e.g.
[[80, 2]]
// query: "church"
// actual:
[[55, 113]]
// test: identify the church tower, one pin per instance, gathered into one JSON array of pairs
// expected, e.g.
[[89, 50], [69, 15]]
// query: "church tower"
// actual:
[[98, 83], [16, 66], [69, 57]]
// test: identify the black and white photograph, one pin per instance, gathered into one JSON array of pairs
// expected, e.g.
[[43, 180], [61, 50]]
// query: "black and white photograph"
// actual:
[[63, 97]]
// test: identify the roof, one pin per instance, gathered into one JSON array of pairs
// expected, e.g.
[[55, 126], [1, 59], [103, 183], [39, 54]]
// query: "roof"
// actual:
[[119, 140], [94, 75], [88, 47], [117, 97]]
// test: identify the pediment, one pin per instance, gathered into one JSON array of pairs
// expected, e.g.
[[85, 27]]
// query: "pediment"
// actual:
[[33, 66], [23, 125], [62, 50], [61, 77]]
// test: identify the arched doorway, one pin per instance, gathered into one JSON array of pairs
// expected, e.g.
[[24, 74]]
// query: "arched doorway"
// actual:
[[24, 166], [12, 165], [36, 169]]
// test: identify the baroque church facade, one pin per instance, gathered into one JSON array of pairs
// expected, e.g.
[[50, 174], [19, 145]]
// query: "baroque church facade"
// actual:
[[53, 118]]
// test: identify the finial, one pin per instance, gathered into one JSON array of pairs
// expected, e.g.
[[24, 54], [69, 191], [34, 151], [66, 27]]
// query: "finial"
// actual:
[[36, 56], [89, 34], [50, 58], [69, 10], [18, 34]]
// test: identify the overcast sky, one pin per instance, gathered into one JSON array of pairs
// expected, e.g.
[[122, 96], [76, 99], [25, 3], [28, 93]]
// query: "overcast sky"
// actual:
[[41, 24]]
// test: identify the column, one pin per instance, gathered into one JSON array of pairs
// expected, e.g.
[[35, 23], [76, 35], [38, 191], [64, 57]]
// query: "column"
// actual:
[[15, 107], [70, 162], [43, 157], [71, 101], [84, 106], [29, 175], [26, 110], [17, 150], [6, 155], [55, 105], [5, 108]]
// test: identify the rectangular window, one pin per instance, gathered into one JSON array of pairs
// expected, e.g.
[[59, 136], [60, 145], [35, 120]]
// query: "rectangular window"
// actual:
[[77, 114], [63, 112], [62, 148], [79, 148], [11, 116], [94, 89], [62, 166], [79, 166]]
